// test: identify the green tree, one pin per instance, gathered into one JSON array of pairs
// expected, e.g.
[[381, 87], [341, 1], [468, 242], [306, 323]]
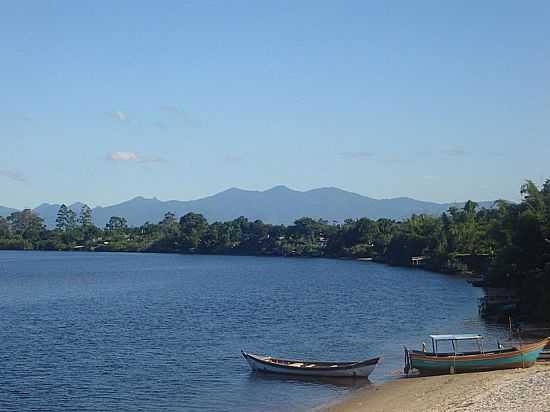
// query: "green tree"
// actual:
[[116, 224], [72, 220], [4, 228], [85, 218], [62, 220], [169, 226], [193, 226], [27, 225]]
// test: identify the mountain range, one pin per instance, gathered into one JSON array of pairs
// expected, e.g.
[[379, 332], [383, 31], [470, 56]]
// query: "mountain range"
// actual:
[[5, 211], [278, 205]]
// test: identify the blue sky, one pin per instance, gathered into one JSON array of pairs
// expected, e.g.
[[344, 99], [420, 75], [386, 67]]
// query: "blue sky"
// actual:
[[442, 101]]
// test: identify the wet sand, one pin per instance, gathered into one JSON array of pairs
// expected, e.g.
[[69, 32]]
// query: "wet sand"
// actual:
[[507, 390]]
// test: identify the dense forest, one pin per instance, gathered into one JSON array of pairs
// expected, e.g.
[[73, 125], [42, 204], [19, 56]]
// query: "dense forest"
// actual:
[[510, 242]]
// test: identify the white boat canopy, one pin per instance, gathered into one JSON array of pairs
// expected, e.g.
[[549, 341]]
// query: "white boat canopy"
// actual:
[[456, 337]]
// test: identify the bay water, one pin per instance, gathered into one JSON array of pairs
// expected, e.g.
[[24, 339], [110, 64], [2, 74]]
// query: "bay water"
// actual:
[[146, 332]]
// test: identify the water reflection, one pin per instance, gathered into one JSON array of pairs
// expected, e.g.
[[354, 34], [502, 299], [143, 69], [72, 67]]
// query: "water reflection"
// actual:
[[343, 382]]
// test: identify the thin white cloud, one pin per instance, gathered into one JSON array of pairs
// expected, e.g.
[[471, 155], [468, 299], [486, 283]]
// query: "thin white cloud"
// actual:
[[119, 115], [134, 157], [152, 159], [168, 108], [233, 159], [356, 155], [395, 160], [13, 175], [160, 125], [456, 151], [183, 114], [122, 156]]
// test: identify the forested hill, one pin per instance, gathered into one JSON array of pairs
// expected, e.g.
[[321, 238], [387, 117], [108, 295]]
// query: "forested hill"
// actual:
[[278, 205]]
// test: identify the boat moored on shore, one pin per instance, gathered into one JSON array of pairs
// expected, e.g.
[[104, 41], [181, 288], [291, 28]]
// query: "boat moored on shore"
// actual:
[[269, 364], [436, 362]]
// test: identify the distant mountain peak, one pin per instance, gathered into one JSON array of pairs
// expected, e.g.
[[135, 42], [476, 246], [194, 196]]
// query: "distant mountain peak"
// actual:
[[234, 190], [280, 188], [142, 199], [329, 189]]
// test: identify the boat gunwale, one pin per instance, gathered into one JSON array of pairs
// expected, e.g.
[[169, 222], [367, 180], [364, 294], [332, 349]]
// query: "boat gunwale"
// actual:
[[480, 356], [340, 365]]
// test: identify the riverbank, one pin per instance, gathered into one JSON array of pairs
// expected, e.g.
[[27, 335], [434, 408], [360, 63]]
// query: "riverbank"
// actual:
[[509, 390]]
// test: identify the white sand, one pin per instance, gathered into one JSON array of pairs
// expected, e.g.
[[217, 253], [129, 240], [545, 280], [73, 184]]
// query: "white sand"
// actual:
[[508, 390]]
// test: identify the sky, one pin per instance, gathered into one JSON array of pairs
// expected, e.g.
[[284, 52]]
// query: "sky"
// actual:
[[104, 101]]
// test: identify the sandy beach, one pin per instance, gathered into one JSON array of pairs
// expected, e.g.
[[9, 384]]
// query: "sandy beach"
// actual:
[[508, 390]]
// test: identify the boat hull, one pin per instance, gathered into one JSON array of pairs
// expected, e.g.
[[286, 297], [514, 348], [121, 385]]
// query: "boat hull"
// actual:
[[350, 370], [505, 359]]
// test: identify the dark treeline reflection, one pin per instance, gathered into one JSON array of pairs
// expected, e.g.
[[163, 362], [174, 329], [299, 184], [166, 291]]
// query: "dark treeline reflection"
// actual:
[[513, 238]]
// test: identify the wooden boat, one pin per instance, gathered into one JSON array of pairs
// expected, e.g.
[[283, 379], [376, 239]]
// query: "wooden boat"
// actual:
[[476, 361], [305, 368]]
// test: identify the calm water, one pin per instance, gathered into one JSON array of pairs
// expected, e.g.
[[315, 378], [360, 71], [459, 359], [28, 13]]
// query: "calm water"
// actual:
[[99, 331]]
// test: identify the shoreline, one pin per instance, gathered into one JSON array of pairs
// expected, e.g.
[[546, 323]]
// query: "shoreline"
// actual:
[[502, 390], [174, 252]]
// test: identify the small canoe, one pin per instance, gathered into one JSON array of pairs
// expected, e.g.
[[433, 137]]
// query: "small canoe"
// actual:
[[429, 363], [268, 364]]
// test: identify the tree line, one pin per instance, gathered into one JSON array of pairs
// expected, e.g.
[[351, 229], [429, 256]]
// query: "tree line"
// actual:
[[509, 242]]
